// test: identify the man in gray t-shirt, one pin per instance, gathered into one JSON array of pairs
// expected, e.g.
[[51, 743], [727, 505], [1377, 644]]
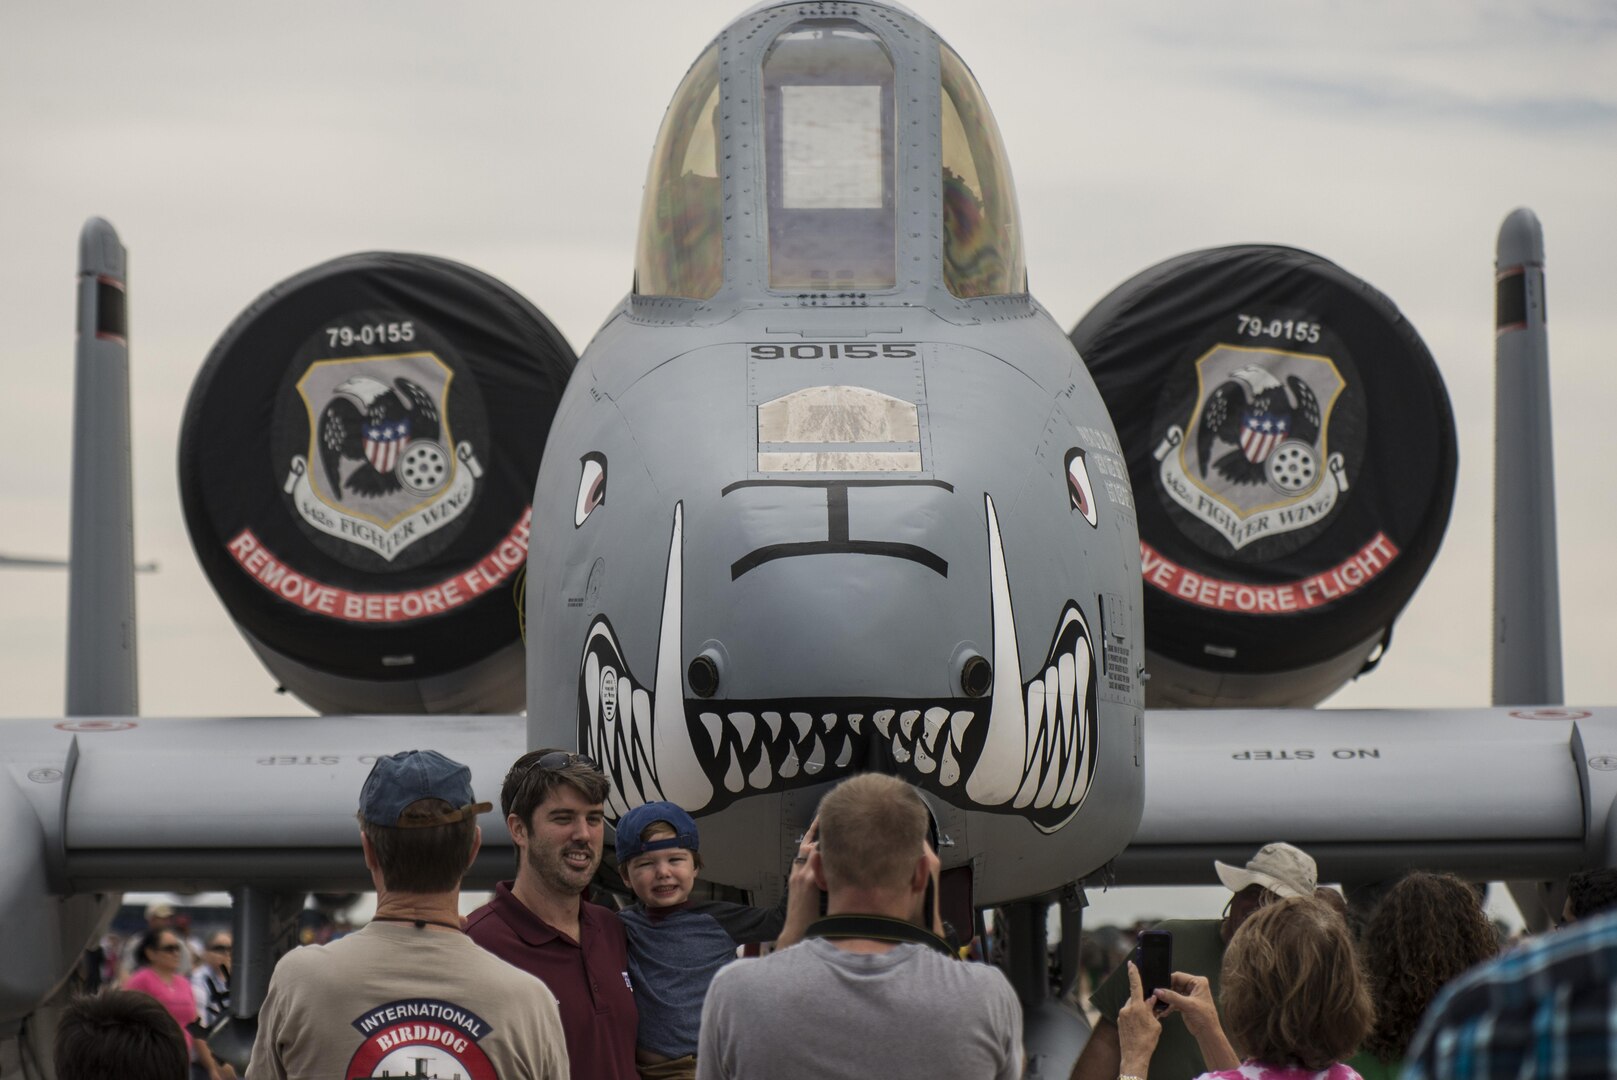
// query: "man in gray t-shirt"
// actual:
[[870, 993]]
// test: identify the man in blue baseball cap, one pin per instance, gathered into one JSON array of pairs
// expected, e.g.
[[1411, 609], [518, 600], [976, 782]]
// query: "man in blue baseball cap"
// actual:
[[410, 987], [676, 945]]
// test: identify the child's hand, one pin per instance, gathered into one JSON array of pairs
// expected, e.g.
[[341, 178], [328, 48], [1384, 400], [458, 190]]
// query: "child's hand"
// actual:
[[802, 892]]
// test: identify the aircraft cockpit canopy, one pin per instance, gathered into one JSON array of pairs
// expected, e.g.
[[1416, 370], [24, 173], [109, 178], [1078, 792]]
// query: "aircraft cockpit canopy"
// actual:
[[982, 231], [681, 249], [830, 121]]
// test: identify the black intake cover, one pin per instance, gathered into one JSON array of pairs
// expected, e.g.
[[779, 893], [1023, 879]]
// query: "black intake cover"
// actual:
[[357, 462], [1292, 451]]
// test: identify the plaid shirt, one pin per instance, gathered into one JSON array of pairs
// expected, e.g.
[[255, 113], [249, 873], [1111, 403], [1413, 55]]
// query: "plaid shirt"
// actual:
[[1547, 1010]]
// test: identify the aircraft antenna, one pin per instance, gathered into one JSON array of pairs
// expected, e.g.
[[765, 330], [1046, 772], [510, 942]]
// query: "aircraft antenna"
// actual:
[[1526, 582], [101, 677]]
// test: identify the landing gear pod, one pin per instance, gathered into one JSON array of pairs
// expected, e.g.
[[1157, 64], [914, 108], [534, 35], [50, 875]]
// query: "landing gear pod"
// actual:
[[1292, 451], [357, 463]]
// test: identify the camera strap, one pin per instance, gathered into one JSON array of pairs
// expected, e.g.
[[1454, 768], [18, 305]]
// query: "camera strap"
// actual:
[[876, 928]]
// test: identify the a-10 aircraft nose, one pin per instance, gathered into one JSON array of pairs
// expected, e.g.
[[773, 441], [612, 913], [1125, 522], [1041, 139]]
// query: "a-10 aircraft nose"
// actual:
[[816, 501]]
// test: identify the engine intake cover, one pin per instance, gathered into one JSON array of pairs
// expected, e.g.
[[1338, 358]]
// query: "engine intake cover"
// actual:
[[1293, 457], [357, 463]]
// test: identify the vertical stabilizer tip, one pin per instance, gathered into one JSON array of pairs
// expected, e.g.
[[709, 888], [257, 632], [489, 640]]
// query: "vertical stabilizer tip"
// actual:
[[100, 251], [1521, 240]]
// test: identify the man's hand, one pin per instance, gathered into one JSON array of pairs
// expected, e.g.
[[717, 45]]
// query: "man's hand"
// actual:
[[802, 892], [1138, 1028]]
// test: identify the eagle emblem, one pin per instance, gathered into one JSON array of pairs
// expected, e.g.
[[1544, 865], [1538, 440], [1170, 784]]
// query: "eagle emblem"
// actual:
[[376, 425], [1254, 459], [1255, 412], [381, 470]]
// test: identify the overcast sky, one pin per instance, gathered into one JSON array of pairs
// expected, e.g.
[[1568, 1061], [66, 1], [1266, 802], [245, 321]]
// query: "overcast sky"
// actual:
[[234, 145]]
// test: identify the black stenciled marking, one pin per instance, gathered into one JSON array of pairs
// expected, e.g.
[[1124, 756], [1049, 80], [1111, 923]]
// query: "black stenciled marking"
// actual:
[[835, 350], [837, 541]]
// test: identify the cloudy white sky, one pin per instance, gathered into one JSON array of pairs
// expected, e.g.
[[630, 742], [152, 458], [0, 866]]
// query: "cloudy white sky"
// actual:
[[233, 145]]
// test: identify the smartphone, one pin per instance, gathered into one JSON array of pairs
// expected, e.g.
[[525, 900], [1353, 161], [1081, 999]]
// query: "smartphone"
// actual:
[[1153, 955]]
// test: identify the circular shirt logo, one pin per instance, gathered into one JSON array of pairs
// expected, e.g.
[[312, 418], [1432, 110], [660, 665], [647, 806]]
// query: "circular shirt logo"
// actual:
[[421, 1039]]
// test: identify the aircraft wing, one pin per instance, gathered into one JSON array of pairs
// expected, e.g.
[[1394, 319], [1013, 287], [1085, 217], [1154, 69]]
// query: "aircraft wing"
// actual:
[[207, 803], [1483, 793]]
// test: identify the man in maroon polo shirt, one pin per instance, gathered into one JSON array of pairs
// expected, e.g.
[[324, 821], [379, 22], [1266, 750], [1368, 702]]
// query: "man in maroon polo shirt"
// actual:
[[541, 922]]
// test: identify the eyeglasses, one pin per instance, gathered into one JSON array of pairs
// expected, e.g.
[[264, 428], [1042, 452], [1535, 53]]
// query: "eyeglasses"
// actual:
[[218, 947], [171, 947]]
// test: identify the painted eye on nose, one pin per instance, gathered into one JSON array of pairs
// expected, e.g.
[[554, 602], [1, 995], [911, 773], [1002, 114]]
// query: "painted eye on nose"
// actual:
[[591, 486], [1078, 486]]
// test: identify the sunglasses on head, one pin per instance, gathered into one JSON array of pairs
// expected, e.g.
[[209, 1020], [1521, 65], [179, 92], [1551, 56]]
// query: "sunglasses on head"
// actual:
[[560, 760]]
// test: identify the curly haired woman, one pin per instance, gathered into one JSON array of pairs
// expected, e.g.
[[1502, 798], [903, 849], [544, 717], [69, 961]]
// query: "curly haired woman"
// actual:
[[1426, 930], [1294, 1000]]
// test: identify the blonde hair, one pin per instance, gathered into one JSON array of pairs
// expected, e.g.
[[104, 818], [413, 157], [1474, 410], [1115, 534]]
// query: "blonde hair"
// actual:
[[1293, 991], [871, 831]]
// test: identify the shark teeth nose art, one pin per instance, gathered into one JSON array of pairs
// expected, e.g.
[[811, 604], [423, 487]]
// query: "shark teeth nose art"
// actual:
[[1040, 748], [642, 738], [1027, 750], [759, 746], [1060, 712]]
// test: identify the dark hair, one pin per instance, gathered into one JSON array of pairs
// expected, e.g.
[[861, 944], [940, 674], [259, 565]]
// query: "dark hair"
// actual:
[[1592, 891], [149, 943], [527, 786], [422, 859], [119, 1033], [872, 828], [1424, 932], [1292, 991]]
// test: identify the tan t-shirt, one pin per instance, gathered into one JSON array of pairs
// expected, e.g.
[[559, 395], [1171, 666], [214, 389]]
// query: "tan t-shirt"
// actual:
[[394, 1000]]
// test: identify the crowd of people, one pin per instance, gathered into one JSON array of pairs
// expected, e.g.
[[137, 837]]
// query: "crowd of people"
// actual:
[[542, 983]]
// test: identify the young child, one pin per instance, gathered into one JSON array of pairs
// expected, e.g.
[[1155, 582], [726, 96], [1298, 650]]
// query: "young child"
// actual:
[[676, 945]]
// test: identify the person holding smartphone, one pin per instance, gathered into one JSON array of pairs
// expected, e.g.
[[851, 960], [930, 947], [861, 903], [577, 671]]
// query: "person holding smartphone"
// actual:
[[1295, 1002], [1277, 870], [873, 990]]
